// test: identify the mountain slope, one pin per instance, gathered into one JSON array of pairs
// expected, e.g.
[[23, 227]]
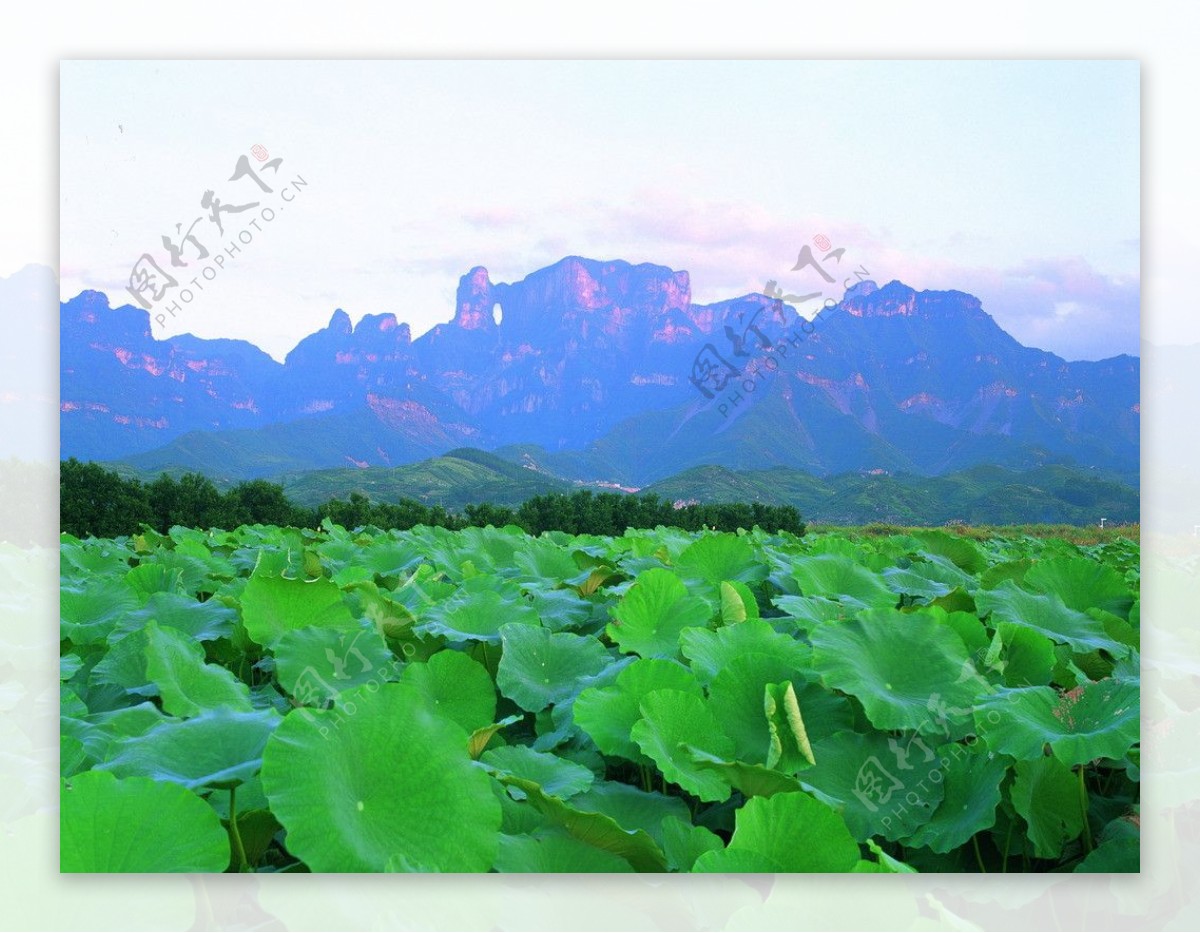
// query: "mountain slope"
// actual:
[[979, 496], [602, 371], [455, 480]]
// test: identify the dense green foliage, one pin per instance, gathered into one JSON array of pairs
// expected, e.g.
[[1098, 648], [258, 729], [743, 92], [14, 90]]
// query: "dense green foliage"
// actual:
[[456, 479], [100, 502], [270, 699], [985, 494]]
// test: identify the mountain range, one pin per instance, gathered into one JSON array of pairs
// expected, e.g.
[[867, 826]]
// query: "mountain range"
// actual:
[[981, 495], [601, 372]]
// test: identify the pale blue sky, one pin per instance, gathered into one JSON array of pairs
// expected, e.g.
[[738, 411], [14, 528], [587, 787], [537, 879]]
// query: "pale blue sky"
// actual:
[[1016, 181]]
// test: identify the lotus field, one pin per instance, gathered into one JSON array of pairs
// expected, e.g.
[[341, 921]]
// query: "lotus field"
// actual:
[[274, 700]]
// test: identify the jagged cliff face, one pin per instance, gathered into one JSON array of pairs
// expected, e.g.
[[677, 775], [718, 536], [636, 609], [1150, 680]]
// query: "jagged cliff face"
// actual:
[[122, 390], [604, 357], [567, 352]]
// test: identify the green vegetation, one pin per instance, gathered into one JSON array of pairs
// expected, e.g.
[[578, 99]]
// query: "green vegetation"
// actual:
[[316, 699], [1074, 534], [100, 502], [459, 478], [982, 495]]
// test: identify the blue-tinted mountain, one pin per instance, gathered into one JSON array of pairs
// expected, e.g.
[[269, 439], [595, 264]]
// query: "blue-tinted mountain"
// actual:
[[601, 371]]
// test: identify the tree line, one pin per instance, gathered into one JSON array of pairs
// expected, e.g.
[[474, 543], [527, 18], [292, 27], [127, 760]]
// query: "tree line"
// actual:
[[100, 502]]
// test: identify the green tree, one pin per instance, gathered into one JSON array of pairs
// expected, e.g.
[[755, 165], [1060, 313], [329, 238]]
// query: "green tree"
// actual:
[[261, 502], [193, 501], [484, 514], [100, 502]]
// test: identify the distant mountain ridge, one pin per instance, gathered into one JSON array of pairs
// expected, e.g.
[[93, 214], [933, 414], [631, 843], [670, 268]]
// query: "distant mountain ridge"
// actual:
[[590, 370], [980, 495]]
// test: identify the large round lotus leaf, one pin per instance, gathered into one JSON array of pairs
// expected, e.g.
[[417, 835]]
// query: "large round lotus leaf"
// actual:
[[1095, 720], [785, 833], [717, 557], [751, 780], [560, 610], [193, 565], [906, 668], [1046, 794], [631, 807], [738, 701], [187, 684], [1113, 856], [540, 667], [683, 843], [70, 704], [804, 613], [962, 552], [272, 605], [833, 544], [380, 776], [90, 611], [736, 862], [1014, 570], [477, 616], [917, 580], [673, 720], [555, 852], [1010, 605], [1025, 657], [124, 666], [456, 686], [607, 714], [931, 578], [972, 780], [72, 755], [155, 577], [137, 825], [541, 559], [885, 785], [558, 777], [68, 666], [582, 820], [384, 556], [556, 725], [1082, 584], [843, 579], [98, 558], [216, 748], [100, 731], [653, 613], [206, 621], [958, 600], [424, 592], [315, 664], [710, 652], [1117, 628], [973, 633]]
